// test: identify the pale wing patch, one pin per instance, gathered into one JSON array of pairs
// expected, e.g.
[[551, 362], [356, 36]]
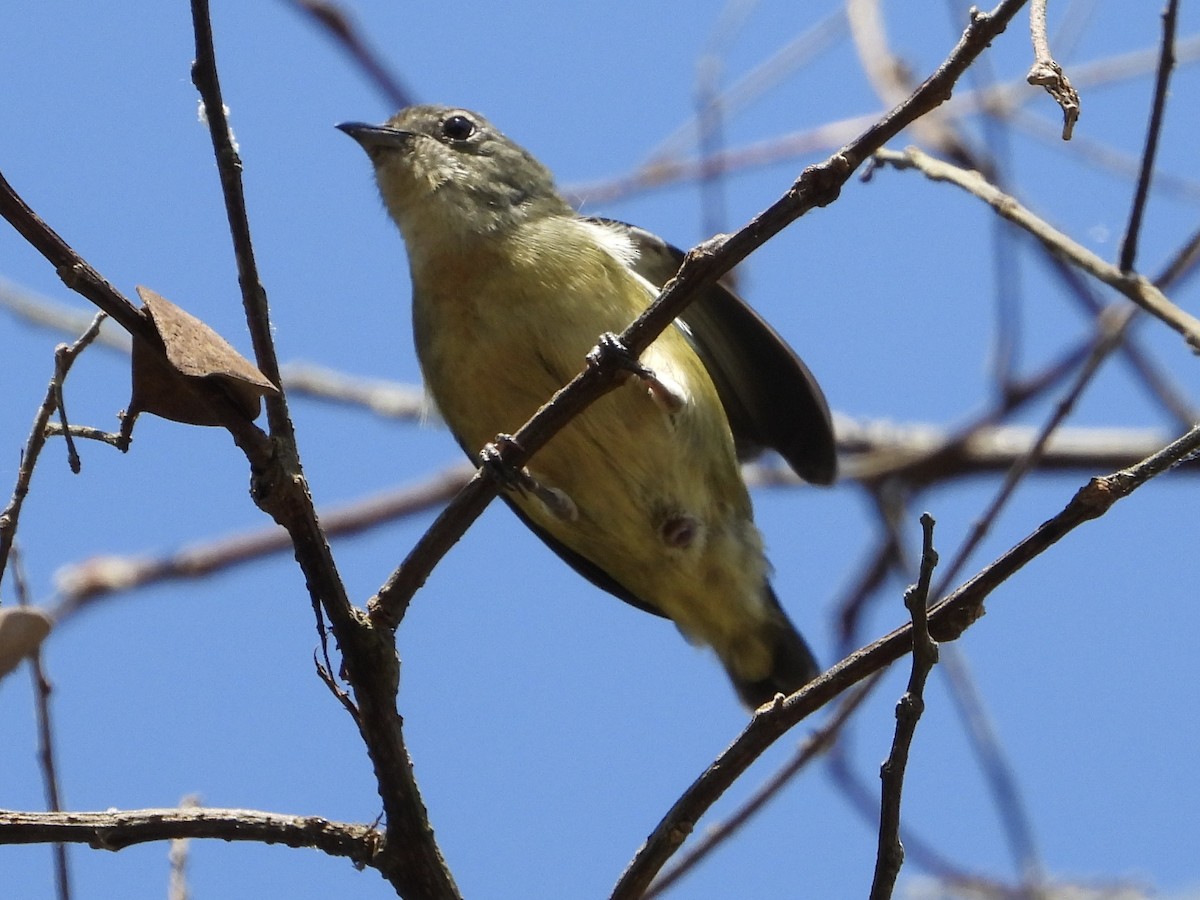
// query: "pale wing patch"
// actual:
[[616, 241]]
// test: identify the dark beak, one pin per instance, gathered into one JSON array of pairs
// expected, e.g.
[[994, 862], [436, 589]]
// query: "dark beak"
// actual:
[[375, 137]]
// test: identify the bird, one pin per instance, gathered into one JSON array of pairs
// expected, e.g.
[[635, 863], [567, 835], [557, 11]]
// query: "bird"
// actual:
[[642, 493]]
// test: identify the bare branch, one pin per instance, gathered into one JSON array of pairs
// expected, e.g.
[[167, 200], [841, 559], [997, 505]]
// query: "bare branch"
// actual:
[[810, 748], [754, 84], [892, 79], [1137, 288], [1157, 380], [45, 727], [890, 855], [75, 273], [1105, 157], [1182, 264], [665, 168], [924, 454], [229, 166], [125, 828], [46, 313], [384, 398], [873, 452], [1001, 780], [338, 24], [117, 439], [1166, 63], [1112, 329], [85, 582]]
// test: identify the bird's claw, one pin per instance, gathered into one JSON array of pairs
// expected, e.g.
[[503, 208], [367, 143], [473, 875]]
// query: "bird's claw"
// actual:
[[510, 478], [611, 350]]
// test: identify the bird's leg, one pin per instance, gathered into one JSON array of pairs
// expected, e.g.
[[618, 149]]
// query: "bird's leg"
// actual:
[[509, 478], [612, 351]]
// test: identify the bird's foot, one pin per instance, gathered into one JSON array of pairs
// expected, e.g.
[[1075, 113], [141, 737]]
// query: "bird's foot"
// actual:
[[611, 350], [510, 478]]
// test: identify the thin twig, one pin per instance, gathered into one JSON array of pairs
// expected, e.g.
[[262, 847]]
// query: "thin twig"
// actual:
[[666, 169], [864, 800], [40, 310], [62, 363], [87, 581], [11, 515], [754, 84], [890, 855], [997, 772], [1166, 62], [1137, 288], [711, 140], [1113, 326], [71, 268], [1154, 376], [88, 433], [892, 80], [404, 402], [338, 24], [1104, 157], [42, 690], [1112, 329], [229, 166], [885, 557], [1182, 265]]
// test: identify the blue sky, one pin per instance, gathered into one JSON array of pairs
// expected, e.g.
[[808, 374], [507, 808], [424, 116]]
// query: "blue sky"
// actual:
[[551, 725]]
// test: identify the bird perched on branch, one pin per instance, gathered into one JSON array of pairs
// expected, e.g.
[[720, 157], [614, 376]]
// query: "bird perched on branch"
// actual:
[[642, 492]]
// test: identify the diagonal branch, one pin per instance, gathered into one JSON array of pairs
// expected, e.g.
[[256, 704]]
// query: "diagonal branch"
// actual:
[[810, 748], [340, 26], [947, 620], [1136, 287], [82, 583]]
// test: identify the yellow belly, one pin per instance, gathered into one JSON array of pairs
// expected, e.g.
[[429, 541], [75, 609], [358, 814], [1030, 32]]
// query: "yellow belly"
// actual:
[[660, 501]]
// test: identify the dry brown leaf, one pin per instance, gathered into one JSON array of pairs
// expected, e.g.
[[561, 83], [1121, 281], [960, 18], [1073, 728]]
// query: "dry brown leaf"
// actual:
[[194, 352]]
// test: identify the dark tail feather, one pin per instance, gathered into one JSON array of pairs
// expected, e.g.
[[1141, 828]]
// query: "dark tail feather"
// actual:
[[793, 664]]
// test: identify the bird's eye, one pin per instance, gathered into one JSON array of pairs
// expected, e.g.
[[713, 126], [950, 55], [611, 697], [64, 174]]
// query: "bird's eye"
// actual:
[[458, 128]]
